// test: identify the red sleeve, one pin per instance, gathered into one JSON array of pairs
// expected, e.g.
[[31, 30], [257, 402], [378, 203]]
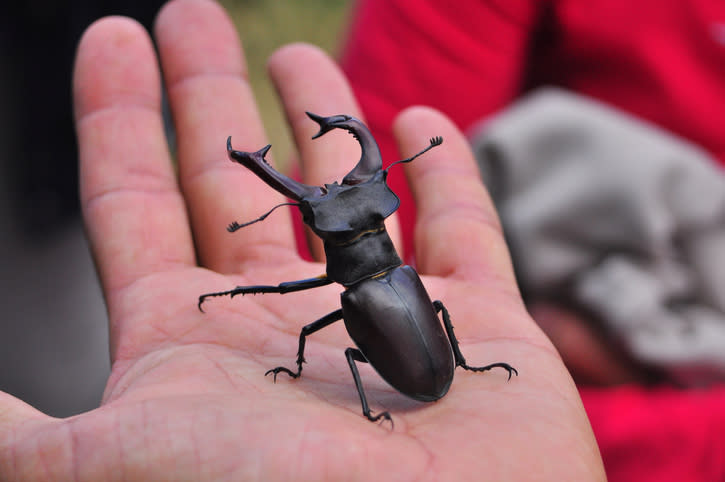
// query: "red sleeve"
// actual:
[[659, 434], [464, 58]]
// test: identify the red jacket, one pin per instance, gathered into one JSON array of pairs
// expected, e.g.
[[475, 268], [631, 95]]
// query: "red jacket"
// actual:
[[663, 60]]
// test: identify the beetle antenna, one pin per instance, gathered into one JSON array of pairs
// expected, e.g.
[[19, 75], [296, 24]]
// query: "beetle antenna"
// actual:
[[434, 141], [235, 225]]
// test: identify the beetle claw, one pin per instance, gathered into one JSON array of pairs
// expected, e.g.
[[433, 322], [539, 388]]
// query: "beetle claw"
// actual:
[[511, 370], [382, 417], [276, 371]]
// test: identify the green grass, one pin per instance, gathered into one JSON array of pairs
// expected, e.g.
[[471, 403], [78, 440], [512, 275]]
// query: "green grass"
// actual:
[[264, 26]]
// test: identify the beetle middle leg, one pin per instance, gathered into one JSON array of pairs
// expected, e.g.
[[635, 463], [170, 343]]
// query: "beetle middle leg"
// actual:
[[460, 360], [326, 320], [353, 355]]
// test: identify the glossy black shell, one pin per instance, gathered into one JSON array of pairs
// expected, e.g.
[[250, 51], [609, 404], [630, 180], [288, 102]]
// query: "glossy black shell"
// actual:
[[350, 219], [392, 321]]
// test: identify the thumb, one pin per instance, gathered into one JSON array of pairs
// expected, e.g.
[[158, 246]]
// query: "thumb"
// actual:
[[13, 412], [28, 446], [458, 233]]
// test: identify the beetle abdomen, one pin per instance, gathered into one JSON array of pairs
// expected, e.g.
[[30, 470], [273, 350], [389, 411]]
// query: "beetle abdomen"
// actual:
[[392, 321]]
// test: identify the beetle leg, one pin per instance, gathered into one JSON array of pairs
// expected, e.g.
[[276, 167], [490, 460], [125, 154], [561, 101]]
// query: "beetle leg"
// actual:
[[353, 355], [282, 288], [460, 360], [306, 330]]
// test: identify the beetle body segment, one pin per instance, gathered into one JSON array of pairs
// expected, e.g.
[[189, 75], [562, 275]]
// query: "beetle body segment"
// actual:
[[350, 219], [392, 321]]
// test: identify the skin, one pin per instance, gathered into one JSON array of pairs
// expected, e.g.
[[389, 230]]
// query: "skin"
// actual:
[[187, 398]]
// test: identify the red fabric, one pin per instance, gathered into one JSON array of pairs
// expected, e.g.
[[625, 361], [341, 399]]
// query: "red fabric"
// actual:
[[663, 60], [661, 434]]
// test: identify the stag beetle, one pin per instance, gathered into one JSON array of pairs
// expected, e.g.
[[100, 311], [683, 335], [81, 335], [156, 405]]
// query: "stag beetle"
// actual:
[[386, 310]]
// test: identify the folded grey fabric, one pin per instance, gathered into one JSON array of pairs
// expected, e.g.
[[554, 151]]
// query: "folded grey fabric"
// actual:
[[619, 217]]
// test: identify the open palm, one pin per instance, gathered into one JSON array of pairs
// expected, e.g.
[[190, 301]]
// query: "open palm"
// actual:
[[187, 398]]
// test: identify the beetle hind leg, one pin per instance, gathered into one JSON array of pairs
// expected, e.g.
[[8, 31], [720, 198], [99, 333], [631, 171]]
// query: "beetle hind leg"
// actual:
[[353, 355], [306, 330], [460, 359]]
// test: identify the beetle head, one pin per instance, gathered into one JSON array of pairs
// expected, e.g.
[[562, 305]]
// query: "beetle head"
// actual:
[[336, 211]]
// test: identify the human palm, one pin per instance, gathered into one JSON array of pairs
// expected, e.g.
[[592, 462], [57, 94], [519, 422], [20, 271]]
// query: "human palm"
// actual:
[[187, 398]]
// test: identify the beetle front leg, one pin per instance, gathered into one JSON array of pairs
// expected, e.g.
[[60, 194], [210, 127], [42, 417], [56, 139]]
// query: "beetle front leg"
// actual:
[[353, 355], [460, 360], [282, 288], [306, 330]]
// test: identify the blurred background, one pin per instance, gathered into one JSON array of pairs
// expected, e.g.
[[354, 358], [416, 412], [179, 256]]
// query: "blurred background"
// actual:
[[53, 327]]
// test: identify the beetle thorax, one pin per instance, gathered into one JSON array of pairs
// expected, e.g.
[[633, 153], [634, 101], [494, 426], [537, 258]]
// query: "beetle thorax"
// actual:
[[345, 212], [350, 219]]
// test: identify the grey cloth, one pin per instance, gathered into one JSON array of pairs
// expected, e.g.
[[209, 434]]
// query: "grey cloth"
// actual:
[[617, 216]]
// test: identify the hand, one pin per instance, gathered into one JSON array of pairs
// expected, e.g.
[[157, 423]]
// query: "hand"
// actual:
[[187, 397]]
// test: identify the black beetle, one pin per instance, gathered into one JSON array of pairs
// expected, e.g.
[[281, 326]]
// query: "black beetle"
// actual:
[[387, 311]]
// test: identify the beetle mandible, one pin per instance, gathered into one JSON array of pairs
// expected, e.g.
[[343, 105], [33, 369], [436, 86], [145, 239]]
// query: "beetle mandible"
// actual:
[[386, 310]]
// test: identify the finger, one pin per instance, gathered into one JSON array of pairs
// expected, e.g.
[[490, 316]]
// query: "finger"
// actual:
[[135, 215], [457, 231], [16, 415], [13, 412], [211, 99], [308, 80]]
